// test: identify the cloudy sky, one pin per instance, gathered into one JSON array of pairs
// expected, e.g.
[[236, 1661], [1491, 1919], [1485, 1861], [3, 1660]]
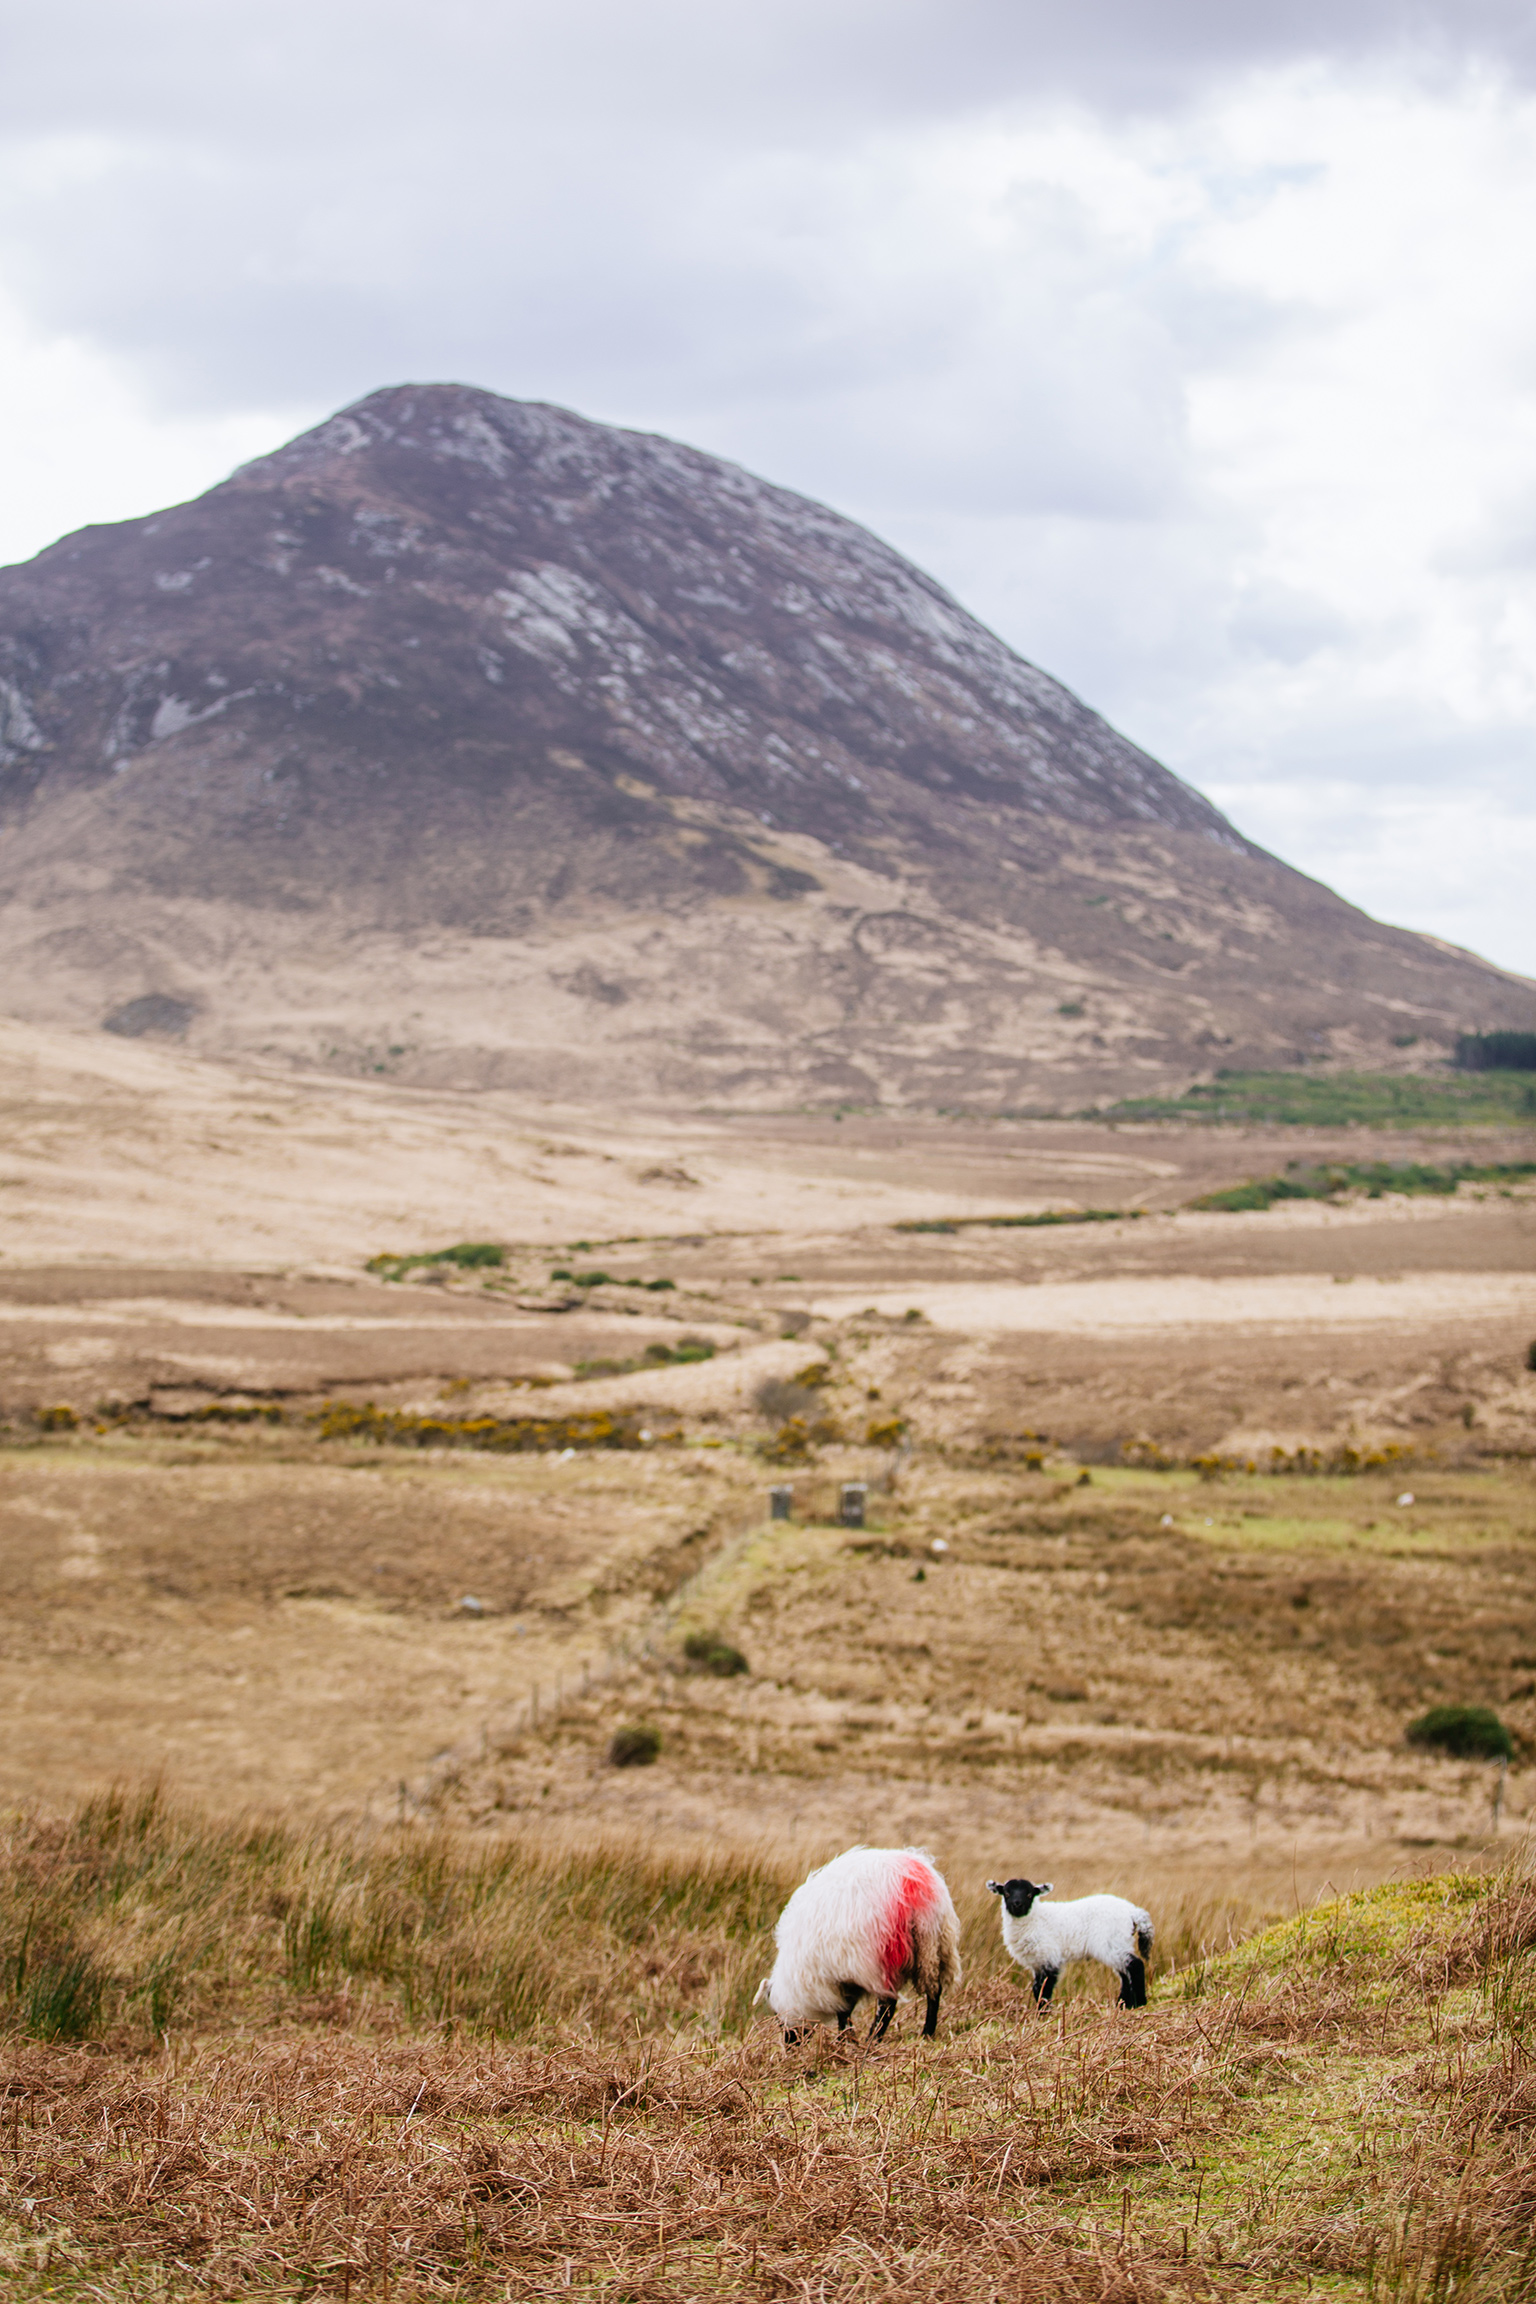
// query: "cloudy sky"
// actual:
[[1192, 344]]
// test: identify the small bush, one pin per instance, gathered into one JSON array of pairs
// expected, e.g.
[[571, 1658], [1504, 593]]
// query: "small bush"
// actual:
[[886, 1432], [1466, 1731], [464, 1255], [707, 1652], [777, 1399], [346, 1420], [634, 1746], [794, 1441]]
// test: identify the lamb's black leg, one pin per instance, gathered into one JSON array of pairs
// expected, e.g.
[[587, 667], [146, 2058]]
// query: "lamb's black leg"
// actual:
[[1045, 1984], [852, 1995], [931, 2021], [1133, 1983], [884, 2011], [792, 2038]]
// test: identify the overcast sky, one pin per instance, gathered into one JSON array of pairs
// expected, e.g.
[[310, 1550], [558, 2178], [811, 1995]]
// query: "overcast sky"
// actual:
[[1192, 344]]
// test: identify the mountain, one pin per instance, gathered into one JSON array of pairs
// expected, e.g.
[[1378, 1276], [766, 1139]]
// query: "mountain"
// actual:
[[466, 739]]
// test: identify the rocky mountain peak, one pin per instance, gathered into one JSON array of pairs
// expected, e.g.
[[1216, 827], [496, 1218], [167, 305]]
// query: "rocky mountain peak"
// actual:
[[468, 729]]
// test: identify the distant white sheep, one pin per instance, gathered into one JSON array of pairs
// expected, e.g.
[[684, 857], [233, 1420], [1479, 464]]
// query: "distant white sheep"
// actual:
[[875, 1920], [1044, 1937]]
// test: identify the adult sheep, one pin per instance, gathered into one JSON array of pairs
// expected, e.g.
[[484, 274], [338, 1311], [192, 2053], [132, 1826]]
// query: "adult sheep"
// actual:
[[1044, 1937], [874, 1920]]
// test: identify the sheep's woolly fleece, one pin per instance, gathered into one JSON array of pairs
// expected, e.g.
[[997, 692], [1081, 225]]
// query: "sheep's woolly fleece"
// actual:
[[878, 1918], [1103, 1928]]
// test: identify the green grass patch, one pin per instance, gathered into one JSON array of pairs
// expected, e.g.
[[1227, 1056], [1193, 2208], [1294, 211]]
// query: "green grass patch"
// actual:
[[464, 1256], [1359, 1933], [1335, 1099], [1021, 1223], [1336, 1179]]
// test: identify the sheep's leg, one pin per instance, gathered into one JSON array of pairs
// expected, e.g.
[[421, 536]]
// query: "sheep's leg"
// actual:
[[1133, 1983], [931, 2021], [852, 1995], [884, 2011], [1045, 1984]]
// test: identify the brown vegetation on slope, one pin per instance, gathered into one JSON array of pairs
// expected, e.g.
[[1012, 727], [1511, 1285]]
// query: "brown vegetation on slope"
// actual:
[[1349, 2099]]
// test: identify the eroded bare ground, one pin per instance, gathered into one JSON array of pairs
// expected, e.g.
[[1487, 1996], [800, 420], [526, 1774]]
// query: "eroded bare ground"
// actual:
[[1150, 1674]]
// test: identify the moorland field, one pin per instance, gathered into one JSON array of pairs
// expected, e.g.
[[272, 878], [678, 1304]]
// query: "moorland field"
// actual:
[[339, 1954]]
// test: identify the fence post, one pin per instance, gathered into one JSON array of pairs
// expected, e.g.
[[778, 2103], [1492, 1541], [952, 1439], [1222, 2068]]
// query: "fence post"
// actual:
[[781, 1503], [851, 1512]]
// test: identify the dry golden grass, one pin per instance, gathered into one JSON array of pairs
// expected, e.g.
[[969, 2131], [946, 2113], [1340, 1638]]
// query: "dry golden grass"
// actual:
[[1074, 1689], [1347, 2102]]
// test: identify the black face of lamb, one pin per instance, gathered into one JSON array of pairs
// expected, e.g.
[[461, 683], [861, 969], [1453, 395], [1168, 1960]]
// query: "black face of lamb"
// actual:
[[1018, 1895], [1133, 1983]]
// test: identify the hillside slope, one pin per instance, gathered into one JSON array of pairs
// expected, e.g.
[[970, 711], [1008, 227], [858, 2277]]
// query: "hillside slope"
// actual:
[[467, 739]]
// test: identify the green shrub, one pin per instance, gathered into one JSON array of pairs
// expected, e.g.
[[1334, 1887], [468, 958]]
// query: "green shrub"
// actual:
[[465, 1255], [634, 1746], [1466, 1731], [707, 1652], [346, 1420], [1331, 1180]]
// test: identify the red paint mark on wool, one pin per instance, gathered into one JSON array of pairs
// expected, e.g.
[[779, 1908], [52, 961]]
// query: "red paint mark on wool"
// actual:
[[915, 1889]]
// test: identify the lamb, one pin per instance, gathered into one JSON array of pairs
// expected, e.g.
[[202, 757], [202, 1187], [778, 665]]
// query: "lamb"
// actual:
[[874, 1920], [1044, 1937]]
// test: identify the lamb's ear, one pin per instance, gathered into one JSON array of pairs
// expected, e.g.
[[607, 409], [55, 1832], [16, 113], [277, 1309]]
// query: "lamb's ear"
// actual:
[[996, 1887], [1045, 1887]]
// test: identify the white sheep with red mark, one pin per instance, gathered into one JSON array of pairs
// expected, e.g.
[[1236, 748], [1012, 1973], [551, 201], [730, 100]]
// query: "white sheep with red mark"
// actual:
[[875, 1920], [1044, 1937]]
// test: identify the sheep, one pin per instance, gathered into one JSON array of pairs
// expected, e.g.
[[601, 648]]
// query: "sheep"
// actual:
[[873, 1920], [1044, 1937]]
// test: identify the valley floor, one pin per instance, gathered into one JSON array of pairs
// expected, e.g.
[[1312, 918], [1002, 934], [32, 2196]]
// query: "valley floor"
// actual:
[[1174, 1521]]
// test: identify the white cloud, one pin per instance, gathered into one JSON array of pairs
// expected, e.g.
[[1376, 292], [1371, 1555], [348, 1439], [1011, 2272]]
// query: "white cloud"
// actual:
[[83, 443]]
